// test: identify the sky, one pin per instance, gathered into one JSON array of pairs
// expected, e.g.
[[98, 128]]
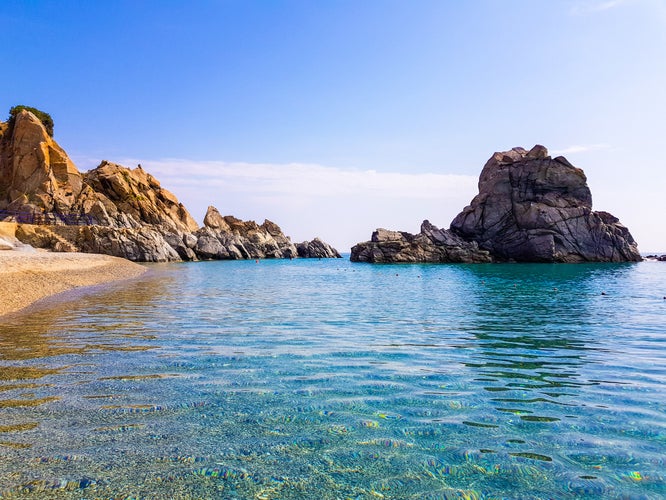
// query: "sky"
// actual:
[[333, 117]]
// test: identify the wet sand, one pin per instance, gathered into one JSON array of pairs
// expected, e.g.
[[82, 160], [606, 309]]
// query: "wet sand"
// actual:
[[26, 277]]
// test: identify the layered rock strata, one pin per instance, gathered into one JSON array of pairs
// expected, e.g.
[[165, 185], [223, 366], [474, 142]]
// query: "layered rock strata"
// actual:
[[134, 216], [530, 208]]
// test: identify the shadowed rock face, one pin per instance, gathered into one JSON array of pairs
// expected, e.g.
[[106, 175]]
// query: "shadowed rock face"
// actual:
[[530, 208], [430, 245], [536, 209], [135, 217], [226, 237], [317, 249]]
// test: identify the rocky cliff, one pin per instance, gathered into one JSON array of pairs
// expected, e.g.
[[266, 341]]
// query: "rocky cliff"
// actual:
[[132, 215], [530, 208]]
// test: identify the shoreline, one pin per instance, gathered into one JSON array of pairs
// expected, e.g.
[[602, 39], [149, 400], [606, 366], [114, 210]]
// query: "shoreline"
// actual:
[[27, 277]]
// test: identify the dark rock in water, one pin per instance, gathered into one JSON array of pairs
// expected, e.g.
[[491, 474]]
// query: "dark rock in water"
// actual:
[[530, 208], [430, 245], [316, 249], [660, 258], [134, 216]]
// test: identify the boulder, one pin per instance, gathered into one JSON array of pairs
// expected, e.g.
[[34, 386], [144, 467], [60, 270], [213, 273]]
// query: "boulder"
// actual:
[[316, 249]]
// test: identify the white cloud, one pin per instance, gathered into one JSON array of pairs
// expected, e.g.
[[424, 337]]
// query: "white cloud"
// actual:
[[342, 206], [299, 179]]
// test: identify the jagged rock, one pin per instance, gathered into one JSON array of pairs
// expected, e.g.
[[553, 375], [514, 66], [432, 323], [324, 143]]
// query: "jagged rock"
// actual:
[[214, 220], [134, 216], [137, 195], [430, 245], [34, 169], [226, 237], [530, 208], [316, 249], [144, 244]]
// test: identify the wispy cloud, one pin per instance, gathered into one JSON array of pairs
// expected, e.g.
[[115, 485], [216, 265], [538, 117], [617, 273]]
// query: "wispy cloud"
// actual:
[[580, 149], [590, 7], [306, 180], [342, 206]]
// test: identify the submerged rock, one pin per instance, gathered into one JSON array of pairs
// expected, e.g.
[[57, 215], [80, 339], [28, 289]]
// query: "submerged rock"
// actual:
[[530, 208]]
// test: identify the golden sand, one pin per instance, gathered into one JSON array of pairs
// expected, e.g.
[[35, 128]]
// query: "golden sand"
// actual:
[[26, 277]]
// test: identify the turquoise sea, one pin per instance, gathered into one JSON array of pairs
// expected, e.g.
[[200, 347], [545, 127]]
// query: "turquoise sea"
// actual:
[[323, 379]]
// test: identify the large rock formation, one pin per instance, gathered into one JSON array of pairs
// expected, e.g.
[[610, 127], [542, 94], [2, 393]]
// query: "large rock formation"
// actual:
[[530, 208], [35, 172], [133, 216]]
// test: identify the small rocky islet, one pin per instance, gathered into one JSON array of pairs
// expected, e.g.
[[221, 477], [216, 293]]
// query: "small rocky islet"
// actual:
[[115, 210], [530, 208]]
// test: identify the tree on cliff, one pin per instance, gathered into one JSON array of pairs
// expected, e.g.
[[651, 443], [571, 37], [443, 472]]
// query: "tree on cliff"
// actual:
[[44, 117]]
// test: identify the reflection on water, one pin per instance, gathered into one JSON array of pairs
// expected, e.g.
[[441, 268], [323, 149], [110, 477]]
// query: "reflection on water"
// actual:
[[323, 379]]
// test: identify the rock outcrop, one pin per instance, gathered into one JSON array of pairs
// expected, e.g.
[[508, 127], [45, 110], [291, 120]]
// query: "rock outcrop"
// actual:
[[226, 237], [530, 208], [35, 172], [430, 245], [133, 215], [317, 249]]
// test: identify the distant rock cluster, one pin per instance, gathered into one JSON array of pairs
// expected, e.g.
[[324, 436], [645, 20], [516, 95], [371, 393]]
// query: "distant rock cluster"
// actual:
[[530, 208], [134, 217]]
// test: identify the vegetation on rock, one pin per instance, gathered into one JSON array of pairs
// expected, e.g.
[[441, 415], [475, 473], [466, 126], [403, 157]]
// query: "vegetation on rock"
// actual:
[[43, 117]]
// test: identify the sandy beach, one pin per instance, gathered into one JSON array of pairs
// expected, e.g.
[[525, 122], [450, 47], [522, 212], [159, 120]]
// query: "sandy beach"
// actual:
[[26, 277]]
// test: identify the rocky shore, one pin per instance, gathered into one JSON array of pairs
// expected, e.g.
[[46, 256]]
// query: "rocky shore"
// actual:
[[118, 211], [530, 208]]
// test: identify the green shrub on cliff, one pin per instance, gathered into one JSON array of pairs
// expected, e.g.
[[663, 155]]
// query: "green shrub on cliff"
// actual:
[[45, 118]]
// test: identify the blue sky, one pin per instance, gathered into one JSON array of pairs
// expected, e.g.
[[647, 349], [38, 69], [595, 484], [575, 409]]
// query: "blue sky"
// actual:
[[333, 118]]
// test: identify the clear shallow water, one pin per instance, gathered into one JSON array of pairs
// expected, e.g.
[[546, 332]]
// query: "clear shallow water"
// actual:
[[326, 379]]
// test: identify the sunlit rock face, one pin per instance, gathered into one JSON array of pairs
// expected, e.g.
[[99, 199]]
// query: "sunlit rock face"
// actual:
[[132, 215]]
